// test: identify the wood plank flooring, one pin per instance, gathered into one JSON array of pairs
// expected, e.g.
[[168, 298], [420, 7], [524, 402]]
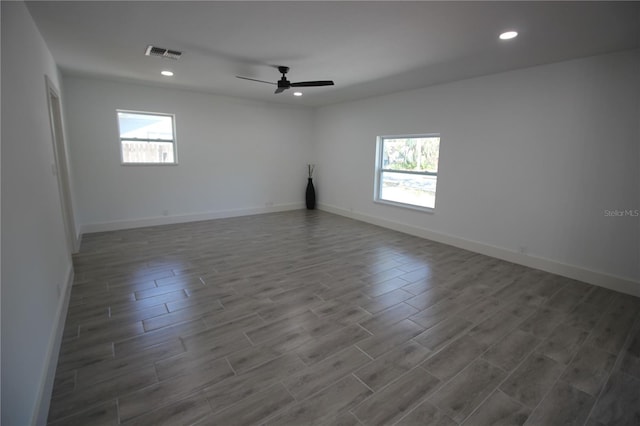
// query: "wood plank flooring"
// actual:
[[305, 318]]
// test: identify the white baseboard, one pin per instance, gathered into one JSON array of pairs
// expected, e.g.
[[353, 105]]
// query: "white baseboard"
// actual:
[[601, 279], [46, 384], [195, 217]]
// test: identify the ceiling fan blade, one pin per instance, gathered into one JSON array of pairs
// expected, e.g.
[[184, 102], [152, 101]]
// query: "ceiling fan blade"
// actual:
[[312, 83], [253, 79], [284, 84]]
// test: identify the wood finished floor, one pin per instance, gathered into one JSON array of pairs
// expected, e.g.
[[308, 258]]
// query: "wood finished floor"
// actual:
[[302, 318]]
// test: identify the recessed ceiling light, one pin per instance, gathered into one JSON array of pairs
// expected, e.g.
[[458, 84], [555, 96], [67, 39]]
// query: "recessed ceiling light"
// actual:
[[297, 93], [508, 35], [166, 73]]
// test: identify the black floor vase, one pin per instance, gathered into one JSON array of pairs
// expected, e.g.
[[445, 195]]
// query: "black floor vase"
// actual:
[[311, 195]]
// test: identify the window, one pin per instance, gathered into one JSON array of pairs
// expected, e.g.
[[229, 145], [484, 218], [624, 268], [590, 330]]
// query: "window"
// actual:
[[147, 138], [407, 170]]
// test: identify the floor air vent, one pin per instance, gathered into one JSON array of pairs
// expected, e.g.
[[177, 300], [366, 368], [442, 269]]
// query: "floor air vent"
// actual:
[[162, 52]]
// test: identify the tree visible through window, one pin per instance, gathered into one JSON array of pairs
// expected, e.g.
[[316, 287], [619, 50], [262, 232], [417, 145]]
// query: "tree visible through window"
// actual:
[[407, 170], [147, 138]]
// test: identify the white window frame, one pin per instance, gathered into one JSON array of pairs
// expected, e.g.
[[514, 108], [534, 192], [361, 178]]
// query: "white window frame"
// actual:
[[379, 169], [174, 141]]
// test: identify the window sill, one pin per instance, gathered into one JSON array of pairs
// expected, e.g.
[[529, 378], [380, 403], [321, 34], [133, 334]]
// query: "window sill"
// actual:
[[406, 206]]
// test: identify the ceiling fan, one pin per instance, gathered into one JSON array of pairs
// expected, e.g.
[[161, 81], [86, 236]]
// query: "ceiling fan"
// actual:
[[284, 84]]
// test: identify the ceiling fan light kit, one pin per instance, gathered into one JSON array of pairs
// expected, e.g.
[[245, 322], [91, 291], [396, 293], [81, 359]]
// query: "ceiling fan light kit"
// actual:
[[284, 84]]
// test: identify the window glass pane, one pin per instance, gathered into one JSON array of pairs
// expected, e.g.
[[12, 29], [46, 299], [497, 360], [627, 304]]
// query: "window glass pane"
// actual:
[[145, 126], [419, 190], [414, 154], [147, 152]]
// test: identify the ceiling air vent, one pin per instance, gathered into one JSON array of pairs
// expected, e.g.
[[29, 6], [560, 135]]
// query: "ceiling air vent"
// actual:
[[162, 52]]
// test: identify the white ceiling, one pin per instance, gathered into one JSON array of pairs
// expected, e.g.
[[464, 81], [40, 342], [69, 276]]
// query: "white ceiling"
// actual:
[[367, 48]]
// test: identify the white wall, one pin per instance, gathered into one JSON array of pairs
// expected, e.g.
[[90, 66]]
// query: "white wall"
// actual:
[[36, 265], [235, 156], [529, 159]]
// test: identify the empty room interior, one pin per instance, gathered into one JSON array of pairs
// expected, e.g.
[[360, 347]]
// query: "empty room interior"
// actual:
[[320, 213]]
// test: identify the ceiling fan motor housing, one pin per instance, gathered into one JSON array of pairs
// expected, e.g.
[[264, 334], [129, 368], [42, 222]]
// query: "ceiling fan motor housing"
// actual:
[[283, 83]]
